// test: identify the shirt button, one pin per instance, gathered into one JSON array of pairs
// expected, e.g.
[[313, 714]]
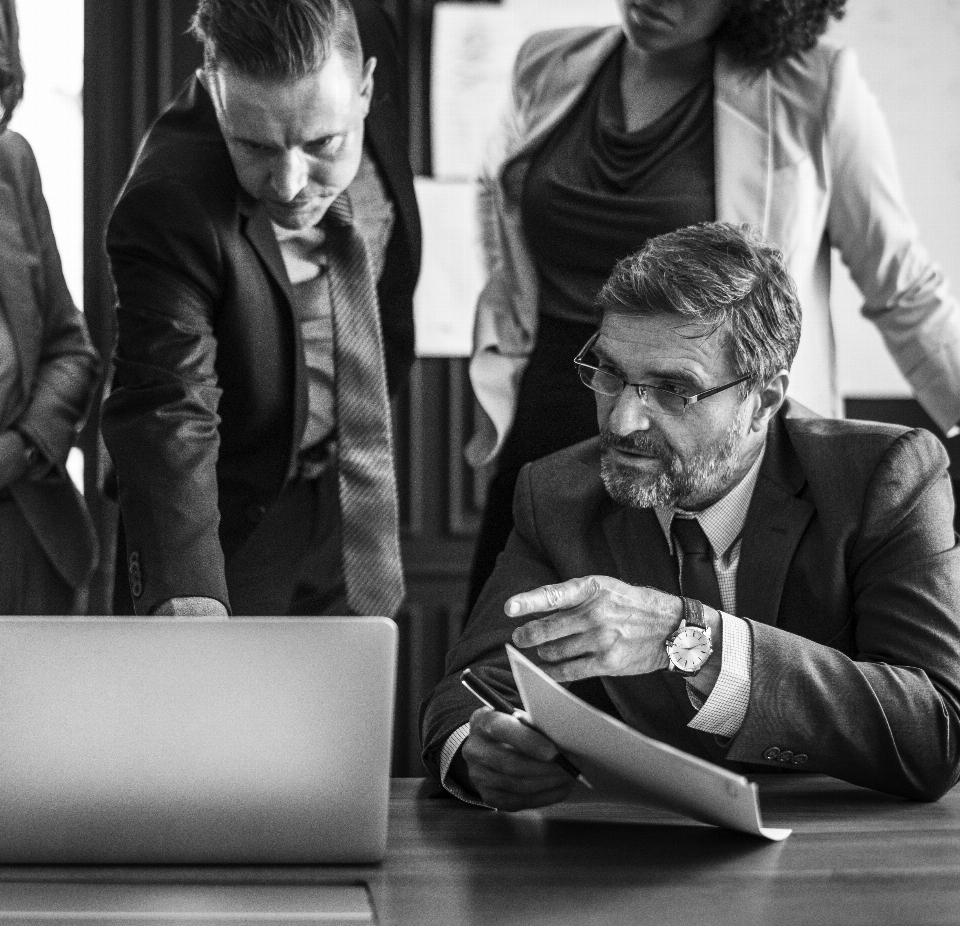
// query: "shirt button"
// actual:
[[786, 755], [800, 758], [771, 753]]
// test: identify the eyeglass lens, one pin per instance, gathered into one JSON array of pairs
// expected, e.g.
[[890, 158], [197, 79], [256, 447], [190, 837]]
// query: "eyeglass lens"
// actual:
[[657, 400]]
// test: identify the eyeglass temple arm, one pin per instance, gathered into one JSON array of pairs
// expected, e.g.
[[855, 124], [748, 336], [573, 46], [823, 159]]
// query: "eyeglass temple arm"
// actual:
[[690, 400]]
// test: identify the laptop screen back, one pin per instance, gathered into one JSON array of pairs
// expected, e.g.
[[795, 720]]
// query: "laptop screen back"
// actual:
[[190, 741]]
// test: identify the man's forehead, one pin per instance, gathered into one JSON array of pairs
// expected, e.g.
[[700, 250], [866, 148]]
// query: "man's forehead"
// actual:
[[324, 94], [662, 336]]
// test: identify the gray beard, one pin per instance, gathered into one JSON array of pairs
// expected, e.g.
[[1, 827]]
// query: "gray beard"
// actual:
[[691, 484]]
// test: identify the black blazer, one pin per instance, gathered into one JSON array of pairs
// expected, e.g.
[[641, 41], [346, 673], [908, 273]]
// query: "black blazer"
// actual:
[[210, 391], [849, 578], [58, 364]]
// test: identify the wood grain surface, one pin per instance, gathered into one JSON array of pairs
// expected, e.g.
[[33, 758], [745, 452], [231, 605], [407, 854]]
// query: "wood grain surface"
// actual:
[[855, 857]]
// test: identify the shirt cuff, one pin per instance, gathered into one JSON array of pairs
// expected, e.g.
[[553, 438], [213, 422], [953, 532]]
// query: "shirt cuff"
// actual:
[[450, 747], [723, 712]]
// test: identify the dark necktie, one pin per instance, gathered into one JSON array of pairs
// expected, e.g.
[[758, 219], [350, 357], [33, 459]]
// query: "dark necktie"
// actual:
[[697, 576], [370, 541]]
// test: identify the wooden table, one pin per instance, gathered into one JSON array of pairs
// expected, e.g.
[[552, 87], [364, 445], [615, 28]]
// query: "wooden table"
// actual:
[[855, 857]]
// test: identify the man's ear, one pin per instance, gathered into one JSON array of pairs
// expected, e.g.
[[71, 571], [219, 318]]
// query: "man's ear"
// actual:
[[366, 83], [769, 400]]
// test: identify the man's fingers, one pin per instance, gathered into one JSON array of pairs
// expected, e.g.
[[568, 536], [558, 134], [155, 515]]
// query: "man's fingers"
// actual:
[[584, 643], [505, 762], [553, 627], [502, 728], [556, 597], [510, 765], [573, 670], [545, 775]]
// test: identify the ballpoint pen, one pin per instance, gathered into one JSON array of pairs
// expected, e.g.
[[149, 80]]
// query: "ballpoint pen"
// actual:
[[485, 694]]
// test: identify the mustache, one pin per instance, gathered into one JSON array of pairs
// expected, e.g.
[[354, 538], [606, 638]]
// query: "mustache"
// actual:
[[637, 442]]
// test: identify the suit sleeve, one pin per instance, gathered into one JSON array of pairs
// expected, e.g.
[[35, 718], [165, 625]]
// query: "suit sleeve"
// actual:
[[160, 421], [63, 387], [522, 565], [906, 295], [888, 715]]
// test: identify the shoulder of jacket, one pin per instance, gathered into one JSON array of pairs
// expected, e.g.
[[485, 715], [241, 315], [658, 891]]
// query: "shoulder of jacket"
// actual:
[[16, 155], [841, 445], [566, 466], [195, 174], [811, 74], [544, 50]]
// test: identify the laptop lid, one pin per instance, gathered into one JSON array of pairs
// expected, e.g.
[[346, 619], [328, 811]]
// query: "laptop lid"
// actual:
[[192, 741]]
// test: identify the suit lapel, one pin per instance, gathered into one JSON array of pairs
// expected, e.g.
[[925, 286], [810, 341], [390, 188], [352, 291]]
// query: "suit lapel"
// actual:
[[382, 130], [17, 296], [743, 143], [775, 523], [256, 227]]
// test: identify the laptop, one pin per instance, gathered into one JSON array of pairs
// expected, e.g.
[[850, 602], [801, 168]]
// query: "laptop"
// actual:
[[195, 741]]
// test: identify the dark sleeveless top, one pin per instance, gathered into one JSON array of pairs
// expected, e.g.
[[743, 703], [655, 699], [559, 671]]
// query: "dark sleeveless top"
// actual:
[[595, 193]]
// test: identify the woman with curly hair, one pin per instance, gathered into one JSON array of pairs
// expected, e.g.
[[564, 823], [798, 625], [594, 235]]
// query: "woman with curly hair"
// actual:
[[688, 111], [48, 370]]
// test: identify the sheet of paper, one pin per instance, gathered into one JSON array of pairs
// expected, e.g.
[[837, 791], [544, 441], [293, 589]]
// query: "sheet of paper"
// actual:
[[451, 274], [473, 49], [625, 766], [474, 46]]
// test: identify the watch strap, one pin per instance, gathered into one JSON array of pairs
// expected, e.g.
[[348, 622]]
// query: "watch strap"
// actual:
[[693, 613]]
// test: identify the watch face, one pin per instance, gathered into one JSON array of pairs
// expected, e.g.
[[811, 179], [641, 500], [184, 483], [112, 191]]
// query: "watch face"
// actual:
[[689, 648]]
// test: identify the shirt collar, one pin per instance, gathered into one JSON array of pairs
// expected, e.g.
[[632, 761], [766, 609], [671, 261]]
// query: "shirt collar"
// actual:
[[723, 521]]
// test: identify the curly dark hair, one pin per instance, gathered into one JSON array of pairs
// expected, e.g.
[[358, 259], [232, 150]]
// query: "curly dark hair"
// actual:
[[762, 33], [11, 68]]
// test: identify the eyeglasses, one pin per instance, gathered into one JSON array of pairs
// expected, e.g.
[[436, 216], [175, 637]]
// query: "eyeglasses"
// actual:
[[656, 398]]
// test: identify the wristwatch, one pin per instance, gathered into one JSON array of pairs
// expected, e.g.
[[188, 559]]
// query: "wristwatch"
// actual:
[[690, 645]]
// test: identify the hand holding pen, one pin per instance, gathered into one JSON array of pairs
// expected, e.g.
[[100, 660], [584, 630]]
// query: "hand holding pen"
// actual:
[[485, 694]]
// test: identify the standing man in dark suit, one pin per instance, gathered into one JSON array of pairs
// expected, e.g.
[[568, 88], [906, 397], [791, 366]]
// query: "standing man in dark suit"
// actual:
[[723, 571], [265, 250]]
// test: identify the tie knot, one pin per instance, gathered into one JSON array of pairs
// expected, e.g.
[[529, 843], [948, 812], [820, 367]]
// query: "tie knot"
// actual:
[[688, 533], [340, 211]]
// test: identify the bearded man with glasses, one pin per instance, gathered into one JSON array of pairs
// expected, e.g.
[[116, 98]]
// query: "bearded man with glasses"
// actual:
[[721, 569]]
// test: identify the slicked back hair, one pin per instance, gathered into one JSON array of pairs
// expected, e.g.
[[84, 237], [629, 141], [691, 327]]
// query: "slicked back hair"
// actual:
[[11, 67], [719, 277], [281, 40]]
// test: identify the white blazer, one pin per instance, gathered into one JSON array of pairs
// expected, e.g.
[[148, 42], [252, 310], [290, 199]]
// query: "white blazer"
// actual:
[[801, 152]]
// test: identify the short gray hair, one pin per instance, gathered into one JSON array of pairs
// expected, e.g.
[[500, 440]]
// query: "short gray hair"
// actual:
[[277, 39], [720, 276]]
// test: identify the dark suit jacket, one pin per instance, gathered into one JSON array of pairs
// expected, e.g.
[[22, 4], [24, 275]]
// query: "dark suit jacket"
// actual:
[[849, 578], [210, 396], [58, 364]]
